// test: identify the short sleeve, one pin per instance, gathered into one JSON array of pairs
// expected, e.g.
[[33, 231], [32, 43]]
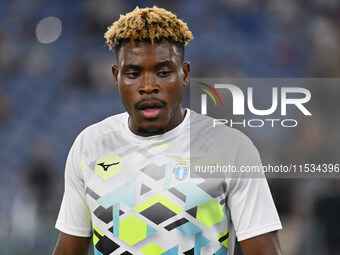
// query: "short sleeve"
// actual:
[[74, 216], [250, 202]]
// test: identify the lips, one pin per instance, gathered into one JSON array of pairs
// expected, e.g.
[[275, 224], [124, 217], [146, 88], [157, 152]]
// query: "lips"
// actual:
[[150, 109], [151, 113]]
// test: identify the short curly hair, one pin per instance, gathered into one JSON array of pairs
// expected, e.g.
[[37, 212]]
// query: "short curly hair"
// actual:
[[148, 24]]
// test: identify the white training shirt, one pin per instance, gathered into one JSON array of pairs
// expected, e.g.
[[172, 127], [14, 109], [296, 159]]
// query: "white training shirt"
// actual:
[[143, 195]]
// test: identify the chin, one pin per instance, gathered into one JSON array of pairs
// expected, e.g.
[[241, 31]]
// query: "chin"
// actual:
[[152, 124], [150, 131]]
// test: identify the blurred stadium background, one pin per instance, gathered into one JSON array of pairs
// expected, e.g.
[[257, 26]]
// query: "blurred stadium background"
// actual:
[[55, 80]]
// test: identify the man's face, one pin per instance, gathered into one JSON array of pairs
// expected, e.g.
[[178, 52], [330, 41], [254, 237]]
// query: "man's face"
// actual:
[[150, 79]]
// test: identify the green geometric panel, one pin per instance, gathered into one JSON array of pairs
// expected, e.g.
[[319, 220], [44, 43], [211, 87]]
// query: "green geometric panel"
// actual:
[[225, 242], [96, 235], [108, 165], [209, 213], [95, 239], [82, 165], [152, 249], [224, 238], [132, 230]]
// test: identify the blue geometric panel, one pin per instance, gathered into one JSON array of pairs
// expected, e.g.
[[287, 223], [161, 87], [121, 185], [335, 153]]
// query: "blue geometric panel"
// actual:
[[189, 229], [122, 194], [96, 252], [222, 251], [167, 177], [150, 230], [194, 195], [172, 251], [200, 241], [88, 173], [115, 218]]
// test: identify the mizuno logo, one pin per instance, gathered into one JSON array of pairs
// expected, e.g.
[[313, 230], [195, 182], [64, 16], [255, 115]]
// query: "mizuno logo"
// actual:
[[106, 167]]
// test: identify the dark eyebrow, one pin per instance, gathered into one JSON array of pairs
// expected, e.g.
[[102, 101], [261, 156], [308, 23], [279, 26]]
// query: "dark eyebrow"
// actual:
[[163, 63], [139, 68], [132, 66]]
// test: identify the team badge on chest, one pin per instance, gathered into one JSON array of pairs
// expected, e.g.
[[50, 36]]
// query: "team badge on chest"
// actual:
[[182, 168], [181, 171]]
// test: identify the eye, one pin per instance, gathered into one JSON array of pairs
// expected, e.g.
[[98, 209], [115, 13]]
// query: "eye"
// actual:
[[132, 75], [164, 73]]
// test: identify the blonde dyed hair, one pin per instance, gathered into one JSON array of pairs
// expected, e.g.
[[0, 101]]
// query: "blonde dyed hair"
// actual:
[[148, 24]]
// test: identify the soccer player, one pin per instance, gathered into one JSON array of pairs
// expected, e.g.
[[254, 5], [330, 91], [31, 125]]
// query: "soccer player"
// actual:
[[127, 181]]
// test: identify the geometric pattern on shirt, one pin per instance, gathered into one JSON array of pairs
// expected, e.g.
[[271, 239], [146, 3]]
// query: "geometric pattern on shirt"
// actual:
[[154, 171], [105, 215], [178, 194], [224, 238], [108, 165], [158, 209], [144, 189], [102, 243], [132, 229]]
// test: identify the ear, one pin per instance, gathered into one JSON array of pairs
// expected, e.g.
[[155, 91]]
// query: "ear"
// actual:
[[186, 71], [115, 72]]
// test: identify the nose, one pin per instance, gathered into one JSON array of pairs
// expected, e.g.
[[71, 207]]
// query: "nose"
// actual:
[[148, 85]]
